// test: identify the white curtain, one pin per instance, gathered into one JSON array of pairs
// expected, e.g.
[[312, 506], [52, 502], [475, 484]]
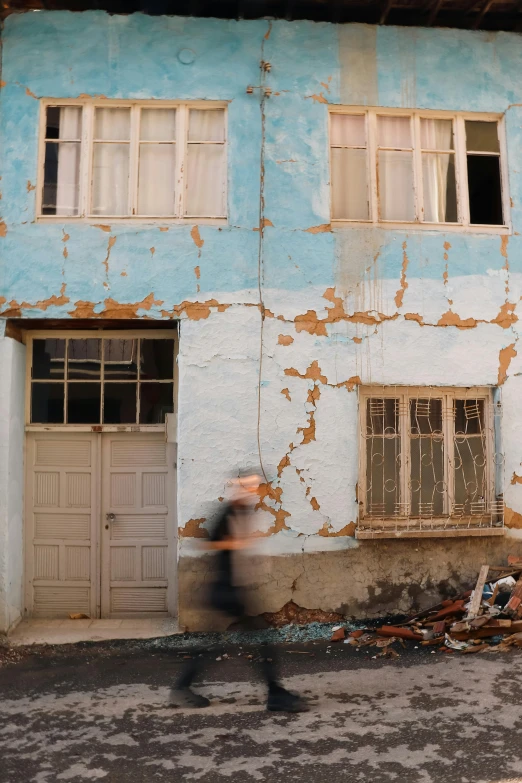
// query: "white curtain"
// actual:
[[110, 176], [205, 169], [395, 169], [68, 173], [436, 135], [349, 167], [157, 165]]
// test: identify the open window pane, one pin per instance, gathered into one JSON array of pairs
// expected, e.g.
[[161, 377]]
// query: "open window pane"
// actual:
[[157, 178], [64, 122], [156, 400], [84, 359], [395, 179], [394, 132], [205, 188], [61, 189], [156, 359], [348, 130], [482, 136], [158, 124], [120, 359], [439, 188], [47, 402], [112, 124], [206, 125], [83, 403], [349, 184], [110, 179], [119, 403], [485, 191], [48, 359]]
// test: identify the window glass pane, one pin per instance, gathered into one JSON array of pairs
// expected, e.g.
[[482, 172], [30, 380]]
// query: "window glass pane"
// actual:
[[206, 125], [158, 124], [47, 403], [427, 485], [83, 403], [205, 196], [383, 476], [110, 179], [470, 474], [394, 131], [349, 184], [112, 124], [157, 179], [156, 399], [469, 417], [48, 358], [437, 134], [439, 187], [348, 130], [426, 417], [395, 174], [64, 122], [157, 359], [382, 416], [120, 359], [61, 188], [482, 136], [84, 359], [119, 403], [485, 193]]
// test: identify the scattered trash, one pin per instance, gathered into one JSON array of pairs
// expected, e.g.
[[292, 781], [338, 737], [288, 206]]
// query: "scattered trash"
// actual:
[[338, 633], [79, 616]]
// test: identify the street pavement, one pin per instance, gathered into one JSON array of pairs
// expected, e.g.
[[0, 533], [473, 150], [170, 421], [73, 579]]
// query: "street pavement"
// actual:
[[99, 713]]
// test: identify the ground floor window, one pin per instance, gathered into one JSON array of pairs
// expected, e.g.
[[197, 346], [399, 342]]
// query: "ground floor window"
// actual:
[[101, 380], [430, 458]]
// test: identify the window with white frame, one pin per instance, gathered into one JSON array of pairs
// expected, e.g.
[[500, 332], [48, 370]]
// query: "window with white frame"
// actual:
[[430, 458], [125, 160], [417, 167]]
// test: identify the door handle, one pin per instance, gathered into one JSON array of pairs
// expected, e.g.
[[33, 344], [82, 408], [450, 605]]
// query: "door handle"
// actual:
[[110, 517]]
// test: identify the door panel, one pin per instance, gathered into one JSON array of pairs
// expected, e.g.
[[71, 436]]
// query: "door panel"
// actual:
[[134, 524], [61, 519]]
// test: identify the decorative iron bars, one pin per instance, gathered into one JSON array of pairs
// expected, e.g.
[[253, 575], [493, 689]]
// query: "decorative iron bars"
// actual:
[[431, 458]]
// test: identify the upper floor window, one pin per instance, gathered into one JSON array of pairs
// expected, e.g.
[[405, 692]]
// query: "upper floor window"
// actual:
[[125, 160], [417, 167]]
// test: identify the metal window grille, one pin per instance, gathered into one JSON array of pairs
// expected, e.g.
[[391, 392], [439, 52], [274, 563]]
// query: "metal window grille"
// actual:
[[431, 459]]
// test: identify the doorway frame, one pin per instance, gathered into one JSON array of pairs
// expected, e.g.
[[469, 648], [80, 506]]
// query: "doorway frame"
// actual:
[[169, 428]]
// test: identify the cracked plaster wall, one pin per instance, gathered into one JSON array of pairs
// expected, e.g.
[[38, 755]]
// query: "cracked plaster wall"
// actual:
[[341, 307]]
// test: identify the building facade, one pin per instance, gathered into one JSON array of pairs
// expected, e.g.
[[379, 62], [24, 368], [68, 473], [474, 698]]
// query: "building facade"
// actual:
[[285, 245]]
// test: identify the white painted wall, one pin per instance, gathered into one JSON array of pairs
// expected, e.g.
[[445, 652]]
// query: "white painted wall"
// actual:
[[12, 380]]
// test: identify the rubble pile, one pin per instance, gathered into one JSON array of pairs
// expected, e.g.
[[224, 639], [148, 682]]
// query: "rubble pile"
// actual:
[[486, 619]]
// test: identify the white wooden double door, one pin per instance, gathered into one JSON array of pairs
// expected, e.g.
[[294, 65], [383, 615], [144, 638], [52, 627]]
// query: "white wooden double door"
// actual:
[[97, 524]]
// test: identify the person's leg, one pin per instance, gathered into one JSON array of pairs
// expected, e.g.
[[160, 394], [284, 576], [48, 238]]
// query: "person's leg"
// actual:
[[279, 699], [181, 694]]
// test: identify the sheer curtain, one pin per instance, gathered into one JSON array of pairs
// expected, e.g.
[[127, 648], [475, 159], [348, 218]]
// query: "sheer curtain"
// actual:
[[205, 169], [110, 173], [157, 164], [349, 167], [438, 179], [395, 168], [68, 168]]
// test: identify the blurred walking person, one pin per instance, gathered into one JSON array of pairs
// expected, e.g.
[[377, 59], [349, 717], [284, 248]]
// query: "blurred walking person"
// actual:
[[230, 535]]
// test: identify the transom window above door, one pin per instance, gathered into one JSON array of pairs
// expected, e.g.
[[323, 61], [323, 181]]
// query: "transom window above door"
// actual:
[[144, 160], [418, 167], [101, 380]]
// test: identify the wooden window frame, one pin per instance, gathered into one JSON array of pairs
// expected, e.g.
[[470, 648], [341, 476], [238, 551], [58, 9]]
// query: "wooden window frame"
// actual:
[[157, 334], [459, 133], [86, 160], [404, 525]]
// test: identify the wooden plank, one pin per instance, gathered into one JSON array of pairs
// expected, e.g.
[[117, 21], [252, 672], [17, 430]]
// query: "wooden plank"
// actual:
[[476, 599]]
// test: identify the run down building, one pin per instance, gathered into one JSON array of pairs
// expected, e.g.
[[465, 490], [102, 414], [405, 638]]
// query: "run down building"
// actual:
[[292, 244]]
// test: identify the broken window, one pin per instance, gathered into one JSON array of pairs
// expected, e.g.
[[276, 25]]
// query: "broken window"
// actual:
[[429, 460], [134, 160], [411, 168], [103, 380]]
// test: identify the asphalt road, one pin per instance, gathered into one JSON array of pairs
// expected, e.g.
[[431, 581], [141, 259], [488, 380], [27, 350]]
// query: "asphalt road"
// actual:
[[101, 714]]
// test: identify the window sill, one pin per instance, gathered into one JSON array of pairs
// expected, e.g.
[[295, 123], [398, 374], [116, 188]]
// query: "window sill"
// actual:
[[95, 427], [440, 228], [106, 220], [462, 532]]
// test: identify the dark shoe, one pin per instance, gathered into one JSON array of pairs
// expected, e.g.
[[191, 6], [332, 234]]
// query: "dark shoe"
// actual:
[[281, 700], [185, 697]]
